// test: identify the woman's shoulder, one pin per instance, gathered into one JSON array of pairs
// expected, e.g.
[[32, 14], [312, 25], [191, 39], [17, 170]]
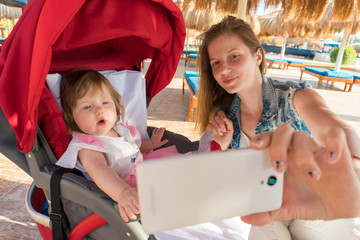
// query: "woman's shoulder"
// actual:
[[288, 85]]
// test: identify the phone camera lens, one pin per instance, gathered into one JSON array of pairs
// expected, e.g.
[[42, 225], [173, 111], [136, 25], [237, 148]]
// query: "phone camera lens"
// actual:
[[271, 180]]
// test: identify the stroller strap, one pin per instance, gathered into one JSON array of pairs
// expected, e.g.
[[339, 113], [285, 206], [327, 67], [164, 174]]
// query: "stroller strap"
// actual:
[[58, 219]]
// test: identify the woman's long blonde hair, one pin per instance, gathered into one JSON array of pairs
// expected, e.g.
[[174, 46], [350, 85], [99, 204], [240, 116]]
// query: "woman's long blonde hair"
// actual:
[[211, 95]]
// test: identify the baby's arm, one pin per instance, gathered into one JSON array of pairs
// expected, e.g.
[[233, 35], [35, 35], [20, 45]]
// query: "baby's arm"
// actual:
[[155, 141], [107, 180]]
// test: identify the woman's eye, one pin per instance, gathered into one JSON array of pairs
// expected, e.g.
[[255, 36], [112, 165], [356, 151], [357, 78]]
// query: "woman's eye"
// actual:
[[214, 64], [234, 56]]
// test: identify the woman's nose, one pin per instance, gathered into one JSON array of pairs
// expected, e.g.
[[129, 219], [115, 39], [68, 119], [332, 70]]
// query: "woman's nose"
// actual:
[[224, 67]]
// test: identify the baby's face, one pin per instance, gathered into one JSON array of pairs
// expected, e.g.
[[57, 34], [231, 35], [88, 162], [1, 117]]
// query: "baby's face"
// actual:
[[95, 113]]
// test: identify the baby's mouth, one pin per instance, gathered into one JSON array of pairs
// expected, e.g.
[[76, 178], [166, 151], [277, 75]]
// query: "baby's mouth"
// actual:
[[101, 122]]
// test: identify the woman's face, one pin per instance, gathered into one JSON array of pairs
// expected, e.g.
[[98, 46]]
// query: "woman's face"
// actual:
[[234, 67]]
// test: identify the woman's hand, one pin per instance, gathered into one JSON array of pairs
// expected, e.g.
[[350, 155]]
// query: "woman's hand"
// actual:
[[156, 137], [128, 203], [320, 182], [223, 130]]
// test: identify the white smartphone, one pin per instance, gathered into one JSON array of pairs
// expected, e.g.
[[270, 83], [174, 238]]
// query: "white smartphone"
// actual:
[[190, 189]]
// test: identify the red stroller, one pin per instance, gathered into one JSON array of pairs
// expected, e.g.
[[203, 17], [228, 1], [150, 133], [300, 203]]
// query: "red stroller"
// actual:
[[55, 37]]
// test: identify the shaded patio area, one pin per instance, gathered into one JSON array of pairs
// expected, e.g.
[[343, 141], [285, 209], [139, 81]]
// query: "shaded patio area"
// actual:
[[168, 109]]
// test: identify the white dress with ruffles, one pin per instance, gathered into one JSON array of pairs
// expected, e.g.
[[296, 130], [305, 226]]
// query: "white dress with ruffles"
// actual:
[[122, 153]]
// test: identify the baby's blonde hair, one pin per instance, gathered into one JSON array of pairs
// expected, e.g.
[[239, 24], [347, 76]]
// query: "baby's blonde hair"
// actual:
[[75, 85]]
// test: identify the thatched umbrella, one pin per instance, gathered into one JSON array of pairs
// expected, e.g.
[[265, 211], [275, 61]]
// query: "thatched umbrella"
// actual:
[[14, 3], [356, 46], [330, 22], [310, 43], [201, 20], [300, 10], [9, 12]]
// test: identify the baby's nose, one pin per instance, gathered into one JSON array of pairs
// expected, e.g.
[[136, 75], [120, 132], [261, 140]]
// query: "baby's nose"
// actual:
[[98, 110]]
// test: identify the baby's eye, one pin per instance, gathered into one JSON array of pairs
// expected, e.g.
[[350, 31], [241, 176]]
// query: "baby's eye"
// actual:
[[105, 103], [87, 107]]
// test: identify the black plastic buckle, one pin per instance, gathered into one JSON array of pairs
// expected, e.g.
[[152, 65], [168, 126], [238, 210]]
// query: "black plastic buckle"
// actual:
[[55, 217]]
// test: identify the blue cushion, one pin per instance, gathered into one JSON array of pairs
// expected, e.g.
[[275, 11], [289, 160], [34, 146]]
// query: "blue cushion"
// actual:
[[291, 61], [275, 60], [191, 74], [321, 71], [356, 75], [193, 55], [329, 73], [194, 83], [189, 51]]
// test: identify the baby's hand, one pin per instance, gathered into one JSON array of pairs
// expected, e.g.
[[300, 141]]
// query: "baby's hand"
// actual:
[[223, 129], [156, 136], [128, 203]]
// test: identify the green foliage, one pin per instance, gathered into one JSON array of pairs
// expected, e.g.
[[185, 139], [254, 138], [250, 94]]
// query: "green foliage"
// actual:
[[348, 57]]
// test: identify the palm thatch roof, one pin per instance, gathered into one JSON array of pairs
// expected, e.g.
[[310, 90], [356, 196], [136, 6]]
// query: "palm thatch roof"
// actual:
[[201, 20], [274, 24], [297, 10], [328, 23], [314, 44], [9, 12]]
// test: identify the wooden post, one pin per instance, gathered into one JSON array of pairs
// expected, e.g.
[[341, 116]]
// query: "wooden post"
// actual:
[[341, 50], [241, 13], [282, 53]]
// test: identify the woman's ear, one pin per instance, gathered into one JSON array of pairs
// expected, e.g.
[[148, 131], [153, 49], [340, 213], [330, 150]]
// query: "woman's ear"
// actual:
[[259, 56]]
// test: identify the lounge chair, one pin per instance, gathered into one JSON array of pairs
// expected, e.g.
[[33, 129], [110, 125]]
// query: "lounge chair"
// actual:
[[327, 75], [191, 79], [356, 76], [295, 64], [191, 57], [280, 62]]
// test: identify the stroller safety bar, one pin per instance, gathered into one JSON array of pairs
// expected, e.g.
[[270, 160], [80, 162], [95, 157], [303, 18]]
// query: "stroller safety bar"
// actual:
[[36, 216]]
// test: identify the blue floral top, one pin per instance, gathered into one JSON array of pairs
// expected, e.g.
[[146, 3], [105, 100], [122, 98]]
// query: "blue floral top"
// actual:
[[277, 109]]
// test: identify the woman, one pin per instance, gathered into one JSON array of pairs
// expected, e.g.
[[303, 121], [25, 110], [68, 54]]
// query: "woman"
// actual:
[[246, 106]]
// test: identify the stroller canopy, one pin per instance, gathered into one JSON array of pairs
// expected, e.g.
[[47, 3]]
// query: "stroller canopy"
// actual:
[[57, 36]]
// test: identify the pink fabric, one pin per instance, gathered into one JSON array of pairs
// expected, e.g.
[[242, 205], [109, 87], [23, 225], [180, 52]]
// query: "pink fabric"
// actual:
[[161, 153], [132, 129], [57, 36], [89, 139]]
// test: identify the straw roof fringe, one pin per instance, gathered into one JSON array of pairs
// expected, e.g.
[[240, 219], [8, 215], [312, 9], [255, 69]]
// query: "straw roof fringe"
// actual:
[[276, 24], [201, 20], [304, 10], [9, 12], [343, 10], [311, 43], [296, 10]]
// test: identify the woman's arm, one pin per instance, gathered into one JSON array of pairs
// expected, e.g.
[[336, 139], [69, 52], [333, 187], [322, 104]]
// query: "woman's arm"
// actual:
[[107, 180], [321, 120]]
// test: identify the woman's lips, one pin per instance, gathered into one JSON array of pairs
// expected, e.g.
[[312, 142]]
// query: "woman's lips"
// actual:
[[229, 80]]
